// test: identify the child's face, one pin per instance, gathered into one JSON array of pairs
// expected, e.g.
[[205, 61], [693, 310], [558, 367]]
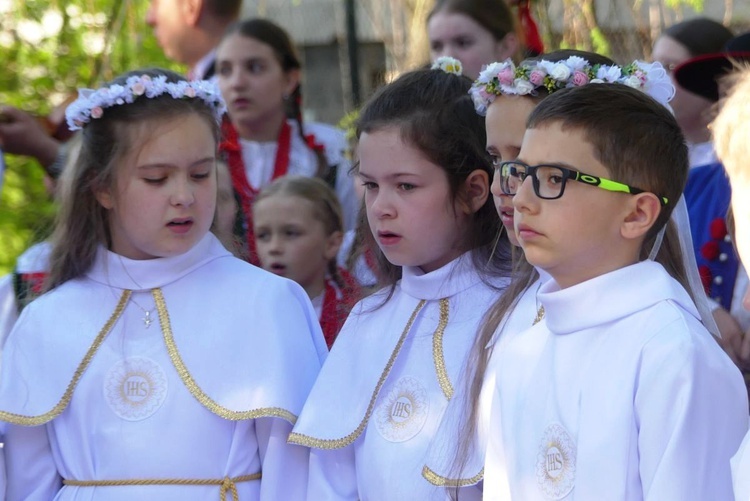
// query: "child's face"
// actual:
[[506, 124], [577, 236], [458, 35], [292, 241], [409, 204], [164, 195], [690, 110], [251, 80]]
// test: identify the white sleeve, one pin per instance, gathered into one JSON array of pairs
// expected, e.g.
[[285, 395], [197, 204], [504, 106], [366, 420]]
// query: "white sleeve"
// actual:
[[284, 466], [29, 465], [333, 476], [691, 411]]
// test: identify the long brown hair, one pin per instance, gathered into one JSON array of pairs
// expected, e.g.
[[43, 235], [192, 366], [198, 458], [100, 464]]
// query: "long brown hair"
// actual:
[[82, 224], [433, 112]]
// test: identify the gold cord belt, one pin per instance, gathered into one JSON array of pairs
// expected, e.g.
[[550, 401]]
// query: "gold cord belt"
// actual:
[[227, 484]]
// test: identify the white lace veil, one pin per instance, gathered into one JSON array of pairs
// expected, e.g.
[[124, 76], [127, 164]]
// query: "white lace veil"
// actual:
[[682, 225]]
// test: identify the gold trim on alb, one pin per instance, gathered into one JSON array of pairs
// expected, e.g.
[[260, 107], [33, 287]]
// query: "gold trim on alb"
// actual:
[[320, 443], [65, 400]]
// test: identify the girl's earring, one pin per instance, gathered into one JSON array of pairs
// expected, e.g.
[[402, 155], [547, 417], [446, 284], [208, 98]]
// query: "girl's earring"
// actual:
[[285, 96]]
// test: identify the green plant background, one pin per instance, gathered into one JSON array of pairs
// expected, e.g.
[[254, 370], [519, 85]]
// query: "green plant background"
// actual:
[[47, 50]]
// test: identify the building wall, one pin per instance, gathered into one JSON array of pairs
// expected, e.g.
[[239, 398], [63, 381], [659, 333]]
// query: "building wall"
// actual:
[[385, 30]]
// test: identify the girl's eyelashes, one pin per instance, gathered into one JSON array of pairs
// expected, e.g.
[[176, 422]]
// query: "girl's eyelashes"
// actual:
[[201, 175], [150, 180], [369, 185], [406, 186]]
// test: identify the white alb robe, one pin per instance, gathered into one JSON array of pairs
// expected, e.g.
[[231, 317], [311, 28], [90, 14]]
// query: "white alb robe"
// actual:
[[381, 393], [209, 390], [619, 393]]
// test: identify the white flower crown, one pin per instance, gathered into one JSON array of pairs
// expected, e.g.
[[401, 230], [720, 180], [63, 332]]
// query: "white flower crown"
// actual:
[[449, 65], [91, 103], [505, 78]]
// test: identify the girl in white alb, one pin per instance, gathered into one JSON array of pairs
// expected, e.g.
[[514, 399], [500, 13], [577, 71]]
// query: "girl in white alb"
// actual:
[[381, 394], [158, 366]]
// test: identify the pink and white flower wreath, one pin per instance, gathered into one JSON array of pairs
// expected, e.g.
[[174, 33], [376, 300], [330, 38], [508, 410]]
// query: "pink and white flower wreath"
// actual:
[[91, 103], [505, 78]]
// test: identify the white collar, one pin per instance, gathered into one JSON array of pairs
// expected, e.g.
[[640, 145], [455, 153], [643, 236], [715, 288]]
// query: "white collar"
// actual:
[[609, 297], [140, 275], [447, 281]]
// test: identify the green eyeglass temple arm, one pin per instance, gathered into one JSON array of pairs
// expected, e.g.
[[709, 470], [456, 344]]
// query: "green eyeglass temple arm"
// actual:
[[608, 185]]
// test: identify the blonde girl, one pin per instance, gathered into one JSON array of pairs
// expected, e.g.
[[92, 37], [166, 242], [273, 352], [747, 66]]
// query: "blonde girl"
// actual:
[[298, 230]]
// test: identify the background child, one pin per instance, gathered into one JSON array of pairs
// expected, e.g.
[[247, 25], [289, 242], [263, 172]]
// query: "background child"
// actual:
[[732, 138], [199, 409], [619, 392], [259, 75], [476, 32], [298, 231], [382, 393]]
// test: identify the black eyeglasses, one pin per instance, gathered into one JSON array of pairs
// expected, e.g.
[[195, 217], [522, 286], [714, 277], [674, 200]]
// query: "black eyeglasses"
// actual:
[[549, 180]]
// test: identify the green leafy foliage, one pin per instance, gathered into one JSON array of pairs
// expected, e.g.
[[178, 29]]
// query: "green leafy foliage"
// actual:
[[48, 50]]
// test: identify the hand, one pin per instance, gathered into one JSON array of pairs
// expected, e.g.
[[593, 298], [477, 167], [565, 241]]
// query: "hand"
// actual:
[[22, 134], [734, 341]]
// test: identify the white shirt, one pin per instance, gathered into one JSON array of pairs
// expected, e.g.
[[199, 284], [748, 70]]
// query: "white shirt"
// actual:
[[259, 159], [208, 391], [619, 393], [701, 154], [382, 392]]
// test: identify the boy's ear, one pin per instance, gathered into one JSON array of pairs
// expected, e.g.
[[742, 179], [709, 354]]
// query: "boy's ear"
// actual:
[[643, 211], [476, 189]]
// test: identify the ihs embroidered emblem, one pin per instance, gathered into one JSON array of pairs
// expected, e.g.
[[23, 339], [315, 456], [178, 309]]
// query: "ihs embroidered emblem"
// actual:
[[135, 388], [403, 413], [556, 463]]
